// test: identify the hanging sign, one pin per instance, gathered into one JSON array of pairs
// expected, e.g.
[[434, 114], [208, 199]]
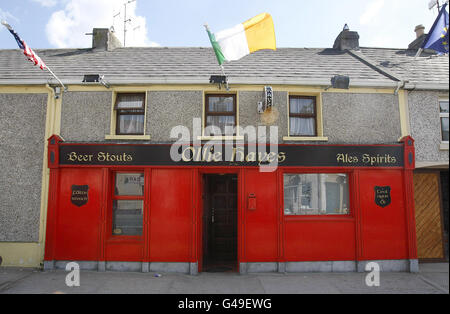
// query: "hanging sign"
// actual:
[[268, 97]]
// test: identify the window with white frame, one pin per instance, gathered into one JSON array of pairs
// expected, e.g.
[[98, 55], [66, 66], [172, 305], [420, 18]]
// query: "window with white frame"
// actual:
[[443, 104]]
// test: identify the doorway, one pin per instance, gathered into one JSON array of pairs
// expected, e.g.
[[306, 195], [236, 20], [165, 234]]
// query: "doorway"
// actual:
[[220, 200]]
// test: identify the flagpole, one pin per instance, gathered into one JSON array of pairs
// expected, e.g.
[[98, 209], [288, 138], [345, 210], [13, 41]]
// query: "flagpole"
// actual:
[[51, 72], [42, 65], [419, 52], [226, 77], [220, 64]]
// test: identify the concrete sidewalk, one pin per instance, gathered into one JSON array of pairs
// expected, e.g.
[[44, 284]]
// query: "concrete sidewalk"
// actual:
[[432, 279]]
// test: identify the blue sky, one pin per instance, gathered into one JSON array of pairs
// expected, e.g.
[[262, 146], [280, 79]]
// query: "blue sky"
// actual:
[[298, 23]]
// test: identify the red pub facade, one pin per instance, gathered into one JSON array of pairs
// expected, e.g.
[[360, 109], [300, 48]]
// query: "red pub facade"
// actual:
[[231, 216]]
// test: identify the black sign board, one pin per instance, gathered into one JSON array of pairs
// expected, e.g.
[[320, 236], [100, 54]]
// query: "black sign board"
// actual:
[[80, 195], [383, 196], [208, 155]]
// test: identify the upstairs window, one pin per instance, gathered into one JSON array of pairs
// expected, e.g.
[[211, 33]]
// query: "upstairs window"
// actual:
[[443, 104], [220, 111], [302, 116], [130, 114]]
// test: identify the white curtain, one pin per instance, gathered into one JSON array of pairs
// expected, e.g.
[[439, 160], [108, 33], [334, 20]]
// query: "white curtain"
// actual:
[[132, 124], [221, 104], [221, 121], [302, 126]]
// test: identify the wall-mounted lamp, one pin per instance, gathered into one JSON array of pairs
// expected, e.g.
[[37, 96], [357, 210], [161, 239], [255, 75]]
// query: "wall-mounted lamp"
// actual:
[[95, 78], [219, 79], [339, 82]]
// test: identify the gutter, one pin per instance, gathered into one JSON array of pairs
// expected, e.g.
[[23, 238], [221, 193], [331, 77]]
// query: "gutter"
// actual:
[[394, 84], [205, 81]]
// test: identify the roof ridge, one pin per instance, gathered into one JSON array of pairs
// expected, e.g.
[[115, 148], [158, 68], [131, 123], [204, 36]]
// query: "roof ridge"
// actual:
[[365, 60]]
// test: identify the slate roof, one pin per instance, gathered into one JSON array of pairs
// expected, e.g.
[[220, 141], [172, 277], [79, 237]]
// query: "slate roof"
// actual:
[[428, 68], [308, 66]]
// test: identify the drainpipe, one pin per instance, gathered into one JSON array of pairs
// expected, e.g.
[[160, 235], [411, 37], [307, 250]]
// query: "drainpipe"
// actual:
[[400, 84]]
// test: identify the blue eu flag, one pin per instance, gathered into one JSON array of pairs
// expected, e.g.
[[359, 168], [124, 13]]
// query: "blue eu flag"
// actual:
[[437, 39]]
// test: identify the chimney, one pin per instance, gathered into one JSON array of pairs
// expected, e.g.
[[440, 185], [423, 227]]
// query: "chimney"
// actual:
[[104, 39], [347, 40], [420, 37]]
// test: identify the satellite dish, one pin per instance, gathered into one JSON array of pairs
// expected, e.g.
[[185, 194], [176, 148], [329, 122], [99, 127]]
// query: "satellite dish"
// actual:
[[270, 116]]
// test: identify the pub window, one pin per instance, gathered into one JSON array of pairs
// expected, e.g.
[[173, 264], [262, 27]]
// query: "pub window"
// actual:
[[316, 194], [128, 204], [302, 116], [220, 111], [130, 113], [443, 104]]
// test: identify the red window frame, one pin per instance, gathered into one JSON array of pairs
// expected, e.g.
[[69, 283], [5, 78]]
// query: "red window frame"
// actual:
[[115, 197], [350, 178]]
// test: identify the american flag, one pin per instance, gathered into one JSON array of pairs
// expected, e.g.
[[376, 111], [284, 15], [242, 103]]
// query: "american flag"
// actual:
[[27, 51]]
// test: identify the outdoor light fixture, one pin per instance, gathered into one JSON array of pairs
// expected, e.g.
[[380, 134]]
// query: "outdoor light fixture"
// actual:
[[95, 78], [91, 78], [339, 82], [219, 79]]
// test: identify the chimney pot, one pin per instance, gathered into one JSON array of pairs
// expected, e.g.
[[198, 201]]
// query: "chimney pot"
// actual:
[[420, 30]]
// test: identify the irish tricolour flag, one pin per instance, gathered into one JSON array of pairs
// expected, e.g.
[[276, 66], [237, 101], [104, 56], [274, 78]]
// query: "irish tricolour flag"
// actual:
[[255, 34]]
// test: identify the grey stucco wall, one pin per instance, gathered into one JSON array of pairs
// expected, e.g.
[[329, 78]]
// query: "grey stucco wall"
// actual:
[[248, 114], [361, 118], [86, 116], [426, 125], [167, 109], [22, 132], [347, 118]]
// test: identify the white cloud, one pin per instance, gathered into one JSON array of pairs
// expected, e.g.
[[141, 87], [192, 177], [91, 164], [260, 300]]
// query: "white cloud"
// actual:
[[67, 28], [372, 10], [46, 3]]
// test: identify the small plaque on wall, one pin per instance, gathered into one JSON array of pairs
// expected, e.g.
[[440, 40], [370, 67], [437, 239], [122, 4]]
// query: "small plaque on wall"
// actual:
[[383, 196], [80, 195]]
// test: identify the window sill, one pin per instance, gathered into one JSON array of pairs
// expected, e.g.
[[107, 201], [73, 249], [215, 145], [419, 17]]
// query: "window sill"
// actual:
[[128, 137], [323, 218], [220, 138], [306, 138], [444, 146]]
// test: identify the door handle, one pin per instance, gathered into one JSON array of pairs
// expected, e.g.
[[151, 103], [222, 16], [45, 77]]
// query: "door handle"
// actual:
[[212, 216]]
